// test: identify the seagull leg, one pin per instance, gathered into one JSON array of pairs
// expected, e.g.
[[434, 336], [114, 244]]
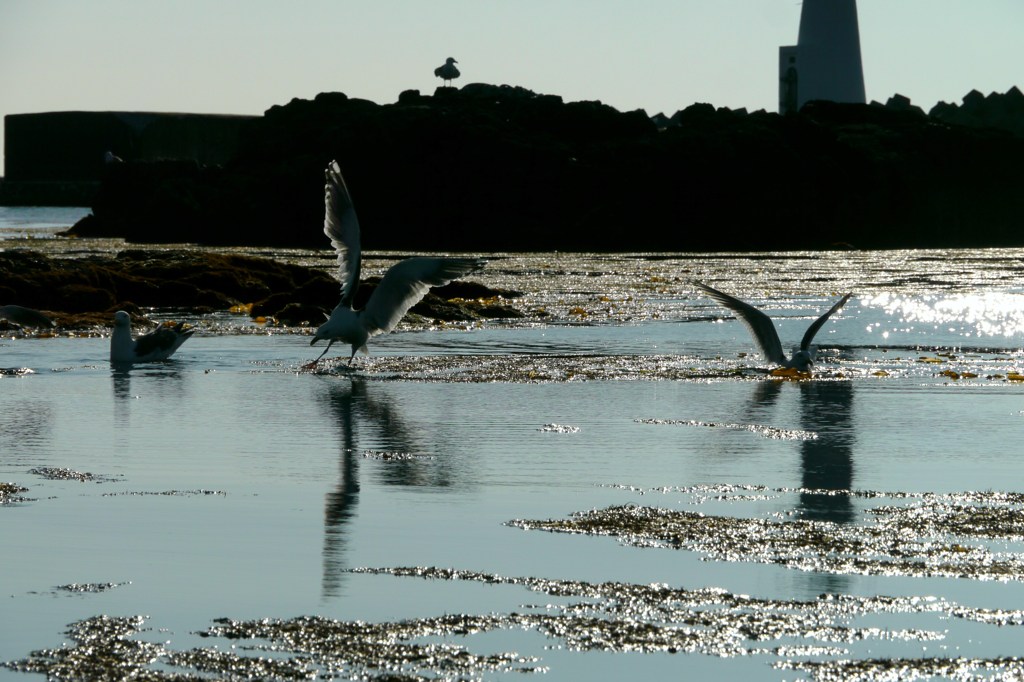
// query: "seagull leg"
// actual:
[[330, 342], [312, 365]]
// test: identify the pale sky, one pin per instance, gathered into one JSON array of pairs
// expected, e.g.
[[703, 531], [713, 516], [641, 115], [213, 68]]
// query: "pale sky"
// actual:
[[243, 56]]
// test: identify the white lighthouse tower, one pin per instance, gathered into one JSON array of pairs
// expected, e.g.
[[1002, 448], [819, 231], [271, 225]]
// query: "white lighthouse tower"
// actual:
[[825, 63]]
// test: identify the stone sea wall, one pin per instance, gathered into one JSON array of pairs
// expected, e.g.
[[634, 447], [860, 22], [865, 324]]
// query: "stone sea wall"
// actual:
[[59, 158]]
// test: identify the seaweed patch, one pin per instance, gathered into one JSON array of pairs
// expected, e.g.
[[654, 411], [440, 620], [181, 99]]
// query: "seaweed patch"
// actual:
[[107, 648], [89, 588], [11, 493], [389, 456], [932, 535], [532, 368], [64, 474], [168, 493], [771, 432], [559, 428], [577, 615], [1006, 668]]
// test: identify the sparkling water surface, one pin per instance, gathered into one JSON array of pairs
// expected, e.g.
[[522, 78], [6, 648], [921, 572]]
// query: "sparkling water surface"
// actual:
[[230, 483], [37, 222]]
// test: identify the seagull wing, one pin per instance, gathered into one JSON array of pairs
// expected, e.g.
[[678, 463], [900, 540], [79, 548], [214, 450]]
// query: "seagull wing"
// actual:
[[813, 329], [26, 317], [405, 283], [342, 227], [759, 324], [162, 340]]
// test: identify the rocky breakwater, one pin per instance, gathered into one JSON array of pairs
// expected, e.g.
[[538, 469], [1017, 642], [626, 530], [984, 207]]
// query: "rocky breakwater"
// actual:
[[85, 292], [497, 168]]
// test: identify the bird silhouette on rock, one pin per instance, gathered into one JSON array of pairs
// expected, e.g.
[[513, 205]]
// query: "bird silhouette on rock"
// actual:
[[447, 71]]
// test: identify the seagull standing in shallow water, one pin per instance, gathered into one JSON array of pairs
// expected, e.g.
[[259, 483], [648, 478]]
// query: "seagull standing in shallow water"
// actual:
[[764, 333], [447, 71], [158, 344], [402, 286]]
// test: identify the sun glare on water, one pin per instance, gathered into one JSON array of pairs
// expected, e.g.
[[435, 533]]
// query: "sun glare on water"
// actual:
[[996, 314]]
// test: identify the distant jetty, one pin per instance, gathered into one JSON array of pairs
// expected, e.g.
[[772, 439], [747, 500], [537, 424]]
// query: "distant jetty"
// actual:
[[499, 168], [59, 158]]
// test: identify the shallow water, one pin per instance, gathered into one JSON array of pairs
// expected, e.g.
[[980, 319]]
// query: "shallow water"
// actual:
[[37, 222], [228, 483]]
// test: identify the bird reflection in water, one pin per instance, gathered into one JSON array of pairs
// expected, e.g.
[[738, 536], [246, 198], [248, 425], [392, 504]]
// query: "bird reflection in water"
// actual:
[[352, 406], [165, 377], [827, 461], [827, 465]]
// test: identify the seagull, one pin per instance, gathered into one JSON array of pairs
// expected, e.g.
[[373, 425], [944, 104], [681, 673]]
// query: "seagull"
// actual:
[[402, 286], [447, 71], [764, 333], [159, 344], [25, 317]]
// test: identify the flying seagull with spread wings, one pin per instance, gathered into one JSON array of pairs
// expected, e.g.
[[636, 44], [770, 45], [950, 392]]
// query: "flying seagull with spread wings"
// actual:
[[402, 286], [764, 333]]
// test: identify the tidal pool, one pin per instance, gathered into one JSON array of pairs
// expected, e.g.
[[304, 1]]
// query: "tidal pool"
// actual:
[[613, 486]]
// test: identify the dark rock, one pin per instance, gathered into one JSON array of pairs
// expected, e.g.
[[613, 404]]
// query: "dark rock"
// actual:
[[412, 97], [902, 103], [86, 291], [300, 315], [499, 312], [437, 308], [998, 111], [695, 114], [490, 168], [167, 279], [80, 298], [468, 289], [319, 293]]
